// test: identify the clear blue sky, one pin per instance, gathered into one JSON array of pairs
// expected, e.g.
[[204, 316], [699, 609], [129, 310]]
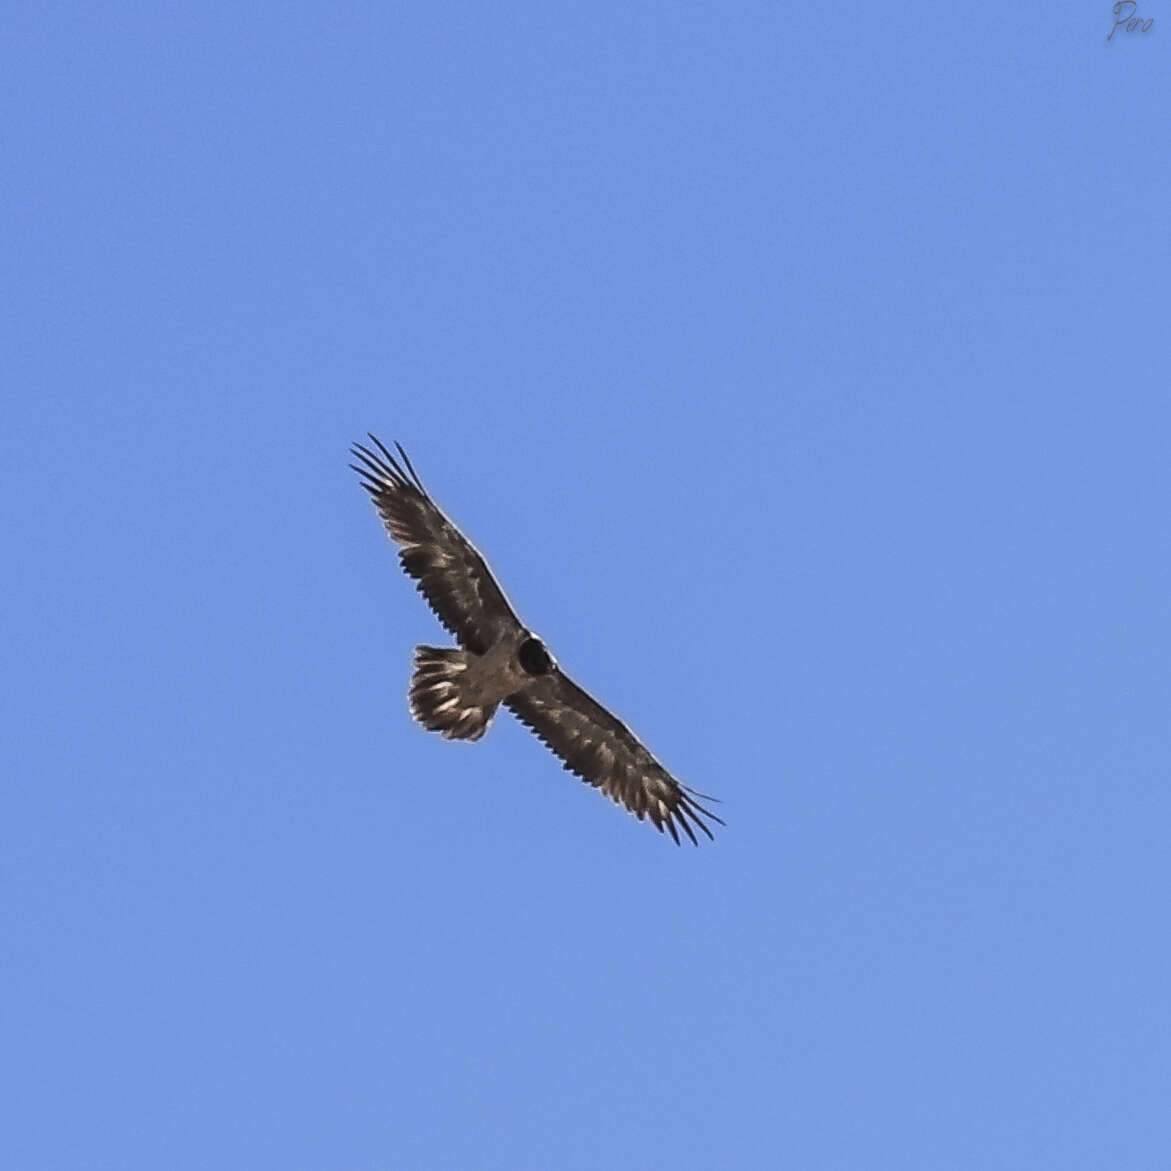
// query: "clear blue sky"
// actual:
[[804, 373]]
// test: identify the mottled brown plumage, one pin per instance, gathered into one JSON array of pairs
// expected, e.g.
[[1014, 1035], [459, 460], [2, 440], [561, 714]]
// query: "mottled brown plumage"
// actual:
[[456, 692]]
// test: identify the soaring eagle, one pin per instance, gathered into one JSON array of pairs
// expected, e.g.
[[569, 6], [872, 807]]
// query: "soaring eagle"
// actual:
[[456, 691]]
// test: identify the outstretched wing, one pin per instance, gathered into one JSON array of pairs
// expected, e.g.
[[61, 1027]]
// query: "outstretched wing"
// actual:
[[602, 750], [450, 573]]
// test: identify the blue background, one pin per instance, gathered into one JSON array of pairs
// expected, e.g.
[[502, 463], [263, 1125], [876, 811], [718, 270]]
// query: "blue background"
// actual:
[[803, 372]]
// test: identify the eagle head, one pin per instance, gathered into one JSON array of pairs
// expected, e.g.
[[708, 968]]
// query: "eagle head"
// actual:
[[533, 657]]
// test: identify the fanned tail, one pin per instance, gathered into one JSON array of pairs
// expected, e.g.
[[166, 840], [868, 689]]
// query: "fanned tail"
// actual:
[[436, 697]]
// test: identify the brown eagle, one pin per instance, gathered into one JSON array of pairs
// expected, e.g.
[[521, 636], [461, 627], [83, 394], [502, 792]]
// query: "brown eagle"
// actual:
[[456, 691]]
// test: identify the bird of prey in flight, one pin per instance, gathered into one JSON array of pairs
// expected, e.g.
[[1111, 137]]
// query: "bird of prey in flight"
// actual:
[[456, 690]]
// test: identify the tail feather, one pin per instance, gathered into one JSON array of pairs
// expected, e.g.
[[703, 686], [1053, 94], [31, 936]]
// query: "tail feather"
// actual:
[[436, 698]]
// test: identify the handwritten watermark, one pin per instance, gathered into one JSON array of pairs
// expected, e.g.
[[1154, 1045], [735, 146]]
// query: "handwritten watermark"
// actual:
[[1126, 17]]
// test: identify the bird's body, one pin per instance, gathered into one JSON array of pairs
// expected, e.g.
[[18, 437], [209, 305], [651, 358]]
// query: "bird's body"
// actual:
[[457, 691]]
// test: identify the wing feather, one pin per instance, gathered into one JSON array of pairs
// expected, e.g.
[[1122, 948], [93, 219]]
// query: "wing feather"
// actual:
[[451, 574], [604, 752]]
